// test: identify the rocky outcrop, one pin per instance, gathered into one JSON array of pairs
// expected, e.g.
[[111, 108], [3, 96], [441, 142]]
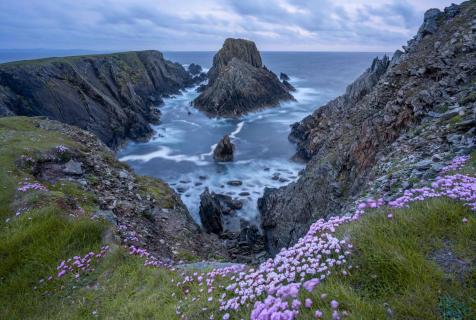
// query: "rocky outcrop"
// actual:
[[214, 208], [224, 150], [114, 95], [244, 241], [283, 76], [194, 69], [400, 121], [238, 82]]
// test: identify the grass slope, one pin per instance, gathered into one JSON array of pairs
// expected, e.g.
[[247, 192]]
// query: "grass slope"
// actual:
[[418, 265]]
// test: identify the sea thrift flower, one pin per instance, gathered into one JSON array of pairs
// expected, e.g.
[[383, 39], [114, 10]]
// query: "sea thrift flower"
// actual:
[[334, 304], [272, 288], [309, 285], [335, 315], [308, 303]]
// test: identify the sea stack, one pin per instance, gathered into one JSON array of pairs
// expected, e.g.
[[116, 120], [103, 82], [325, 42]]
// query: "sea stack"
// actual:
[[224, 150], [238, 82]]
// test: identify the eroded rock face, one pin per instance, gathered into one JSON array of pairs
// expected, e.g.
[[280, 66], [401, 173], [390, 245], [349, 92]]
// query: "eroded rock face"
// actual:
[[114, 96], [399, 121], [239, 83], [224, 150]]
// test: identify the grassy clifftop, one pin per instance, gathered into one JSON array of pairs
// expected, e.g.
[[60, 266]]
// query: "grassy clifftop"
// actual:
[[416, 262]]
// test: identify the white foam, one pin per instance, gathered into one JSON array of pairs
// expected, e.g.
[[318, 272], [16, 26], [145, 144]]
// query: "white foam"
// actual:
[[164, 153], [239, 127], [212, 148], [188, 122]]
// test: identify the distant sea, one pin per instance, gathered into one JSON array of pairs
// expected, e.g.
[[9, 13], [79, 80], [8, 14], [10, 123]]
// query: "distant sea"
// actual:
[[181, 150]]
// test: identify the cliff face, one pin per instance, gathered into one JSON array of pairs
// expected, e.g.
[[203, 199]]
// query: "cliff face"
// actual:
[[111, 95], [399, 121], [239, 83]]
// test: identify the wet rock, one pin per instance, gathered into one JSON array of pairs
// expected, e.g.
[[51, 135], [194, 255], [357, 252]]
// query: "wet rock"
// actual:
[[224, 150], [215, 209], [234, 183], [244, 194], [211, 213]]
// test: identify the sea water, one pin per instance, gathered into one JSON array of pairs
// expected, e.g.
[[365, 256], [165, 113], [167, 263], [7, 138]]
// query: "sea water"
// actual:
[[180, 152]]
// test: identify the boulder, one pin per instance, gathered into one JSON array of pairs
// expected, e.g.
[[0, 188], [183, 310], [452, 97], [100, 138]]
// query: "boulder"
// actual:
[[238, 83], [224, 150]]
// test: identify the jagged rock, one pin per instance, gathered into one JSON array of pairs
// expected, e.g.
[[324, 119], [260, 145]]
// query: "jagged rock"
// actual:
[[224, 150], [389, 120], [111, 95], [194, 69], [283, 76], [430, 22], [211, 213], [238, 83], [289, 86], [397, 56], [214, 210]]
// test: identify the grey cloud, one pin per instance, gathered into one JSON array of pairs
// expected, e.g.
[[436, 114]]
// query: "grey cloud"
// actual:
[[317, 25]]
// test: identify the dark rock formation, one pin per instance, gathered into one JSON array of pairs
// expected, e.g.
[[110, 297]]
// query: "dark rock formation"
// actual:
[[238, 83], [283, 76], [194, 69], [289, 86], [214, 209], [224, 150], [394, 118], [114, 95]]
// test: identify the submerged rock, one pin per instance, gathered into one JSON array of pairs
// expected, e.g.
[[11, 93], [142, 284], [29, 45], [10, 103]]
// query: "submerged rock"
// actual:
[[238, 82], [224, 150]]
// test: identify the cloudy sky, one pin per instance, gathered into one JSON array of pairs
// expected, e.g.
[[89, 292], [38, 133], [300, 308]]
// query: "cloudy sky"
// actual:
[[196, 25]]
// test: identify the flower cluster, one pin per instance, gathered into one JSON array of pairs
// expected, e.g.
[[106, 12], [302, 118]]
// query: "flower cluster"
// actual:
[[274, 287], [77, 265], [61, 148], [31, 186], [150, 260], [456, 164], [457, 187]]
